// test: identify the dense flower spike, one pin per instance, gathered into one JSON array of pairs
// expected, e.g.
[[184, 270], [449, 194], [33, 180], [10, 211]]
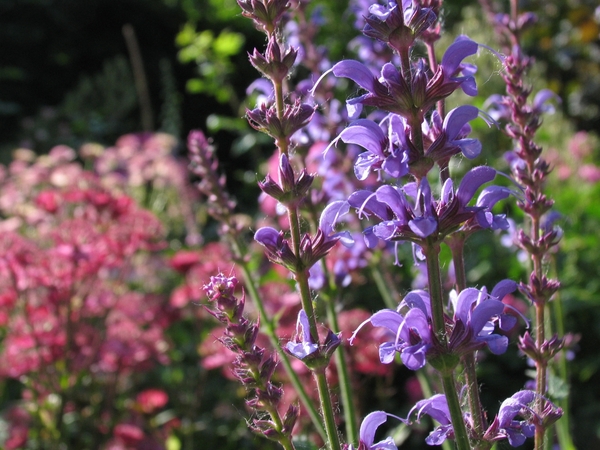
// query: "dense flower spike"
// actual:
[[393, 93], [252, 366]]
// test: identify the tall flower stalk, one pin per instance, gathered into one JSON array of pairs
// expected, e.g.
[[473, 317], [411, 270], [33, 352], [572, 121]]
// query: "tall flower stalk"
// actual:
[[405, 192], [538, 237]]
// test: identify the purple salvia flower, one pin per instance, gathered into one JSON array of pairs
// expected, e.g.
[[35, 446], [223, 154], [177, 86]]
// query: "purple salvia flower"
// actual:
[[384, 152], [446, 80], [437, 408], [507, 425], [410, 213], [450, 137], [475, 315], [398, 23], [304, 344], [412, 333]]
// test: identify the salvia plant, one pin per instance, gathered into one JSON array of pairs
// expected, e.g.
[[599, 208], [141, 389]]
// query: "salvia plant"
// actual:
[[352, 185], [350, 290]]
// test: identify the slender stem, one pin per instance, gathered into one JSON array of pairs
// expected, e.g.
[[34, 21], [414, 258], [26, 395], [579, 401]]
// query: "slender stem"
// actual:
[[343, 375], [458, 423], [431, 251], [540, 336], [301, 277], [327, 407]]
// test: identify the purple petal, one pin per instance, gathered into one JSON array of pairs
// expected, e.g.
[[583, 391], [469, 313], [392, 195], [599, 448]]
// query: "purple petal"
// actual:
[[387, 352], [540, 101], [464, 303], [363, 164], [439, 435], [483, 312], [357, 72], [423, 226], [503, 288], [435, 406], [456, 52], [418, 299], [496, 343], [387, 318], [415, 320], [396, 201], [365, 133], [331, 215], [301, 349], [386, 230], [470, 148], [268, 237], [369, 426], [472, 181], [458, 118], [302, 326], [490, 195], [366, 201], [415, 357]]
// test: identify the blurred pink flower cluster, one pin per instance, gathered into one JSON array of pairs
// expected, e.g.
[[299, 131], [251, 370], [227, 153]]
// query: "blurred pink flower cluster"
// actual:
[[81, 267]]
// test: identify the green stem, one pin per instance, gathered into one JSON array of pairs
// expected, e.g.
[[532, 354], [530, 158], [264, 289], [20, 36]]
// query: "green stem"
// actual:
[[333, 440], [344, 376], [327, 407], [458, 423], [432, 250]]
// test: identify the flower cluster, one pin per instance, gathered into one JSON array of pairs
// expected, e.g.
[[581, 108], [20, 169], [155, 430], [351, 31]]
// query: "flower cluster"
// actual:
[[253, 367]]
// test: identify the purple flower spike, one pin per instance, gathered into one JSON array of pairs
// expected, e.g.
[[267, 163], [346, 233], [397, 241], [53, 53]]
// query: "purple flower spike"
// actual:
[[507, 425], [304, 344], [437, 408]]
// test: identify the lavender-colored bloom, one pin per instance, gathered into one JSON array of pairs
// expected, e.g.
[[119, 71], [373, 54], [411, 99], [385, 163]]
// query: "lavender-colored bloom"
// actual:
[[385, 152], [450, 137], [304, 344], [507, 425], [391, 92], [437, 408], [412, 332], [410, 213], [475, 315]]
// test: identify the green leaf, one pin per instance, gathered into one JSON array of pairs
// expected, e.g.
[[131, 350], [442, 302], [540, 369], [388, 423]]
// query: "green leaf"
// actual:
[[228, 44]]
